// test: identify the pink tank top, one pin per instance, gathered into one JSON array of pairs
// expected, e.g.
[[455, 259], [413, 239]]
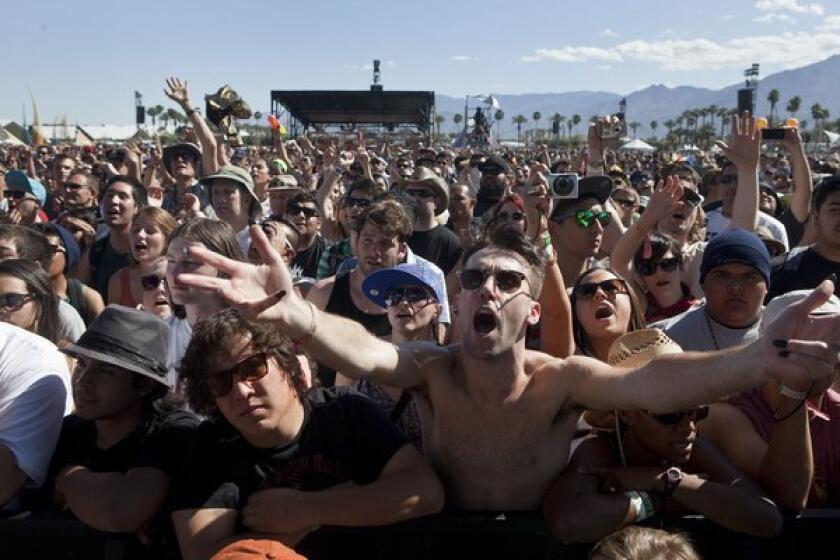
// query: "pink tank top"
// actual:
[[825, 441]]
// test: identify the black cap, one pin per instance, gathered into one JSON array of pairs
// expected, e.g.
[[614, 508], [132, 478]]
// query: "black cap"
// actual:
[[494, 165]]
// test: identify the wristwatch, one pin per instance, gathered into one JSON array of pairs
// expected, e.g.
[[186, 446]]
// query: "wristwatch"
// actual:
[[671, 479]]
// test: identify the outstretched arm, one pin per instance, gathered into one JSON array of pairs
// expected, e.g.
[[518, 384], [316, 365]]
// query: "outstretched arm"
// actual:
[[265, 293], [800, 202], [744, 152], [795, 348], [178, 92]]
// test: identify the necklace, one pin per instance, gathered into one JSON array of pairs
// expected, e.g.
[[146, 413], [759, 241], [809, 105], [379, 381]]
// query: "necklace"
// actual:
[[709, 326]]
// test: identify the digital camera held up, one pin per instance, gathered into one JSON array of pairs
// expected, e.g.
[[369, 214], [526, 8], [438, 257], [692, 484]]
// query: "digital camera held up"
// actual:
[[563, 185]]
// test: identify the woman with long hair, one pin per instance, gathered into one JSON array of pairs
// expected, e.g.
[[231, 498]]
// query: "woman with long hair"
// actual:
[[149, 234], [27, 299]]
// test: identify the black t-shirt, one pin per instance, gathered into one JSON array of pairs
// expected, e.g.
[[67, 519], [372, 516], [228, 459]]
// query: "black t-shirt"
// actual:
[[308, 259], [344, 437], [801, 269], [438, 245]]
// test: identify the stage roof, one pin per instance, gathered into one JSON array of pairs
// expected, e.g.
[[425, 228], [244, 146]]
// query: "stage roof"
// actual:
[[358, 107]]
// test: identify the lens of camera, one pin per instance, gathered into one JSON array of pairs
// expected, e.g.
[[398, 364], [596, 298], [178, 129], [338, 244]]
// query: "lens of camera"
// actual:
[[562, 186]]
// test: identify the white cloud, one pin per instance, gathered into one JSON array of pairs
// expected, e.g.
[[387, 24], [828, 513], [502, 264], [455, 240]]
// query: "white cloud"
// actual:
[[608, 33], [786, 49], [573, 54], [831, 23], [773, 17], [463, 58], [789, 6]]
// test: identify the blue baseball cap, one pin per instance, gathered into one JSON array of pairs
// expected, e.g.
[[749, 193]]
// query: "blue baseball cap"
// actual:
[[69, 242], [736, 246], [377, 284], [19, 179]]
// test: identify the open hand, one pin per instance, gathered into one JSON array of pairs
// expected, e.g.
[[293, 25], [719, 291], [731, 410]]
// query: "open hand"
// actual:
[[664, 197], [745, 143], [177, 91]]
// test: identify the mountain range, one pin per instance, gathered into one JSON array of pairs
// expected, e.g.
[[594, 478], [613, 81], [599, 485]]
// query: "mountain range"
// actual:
[[815, 83]]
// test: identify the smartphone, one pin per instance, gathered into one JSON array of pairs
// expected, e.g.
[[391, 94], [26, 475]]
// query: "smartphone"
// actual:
[[772, 133]]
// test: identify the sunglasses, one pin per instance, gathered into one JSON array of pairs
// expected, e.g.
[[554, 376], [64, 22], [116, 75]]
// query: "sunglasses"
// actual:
[[587, 218], [13, 302], [352, 202], [151, 282], [648, 268], [308, 212], [691, 198], [252, 368], [410, 295], [420, 193], [16, 195], [611, 288], [514, 217], [506, 280], [74, 186], [674, 418]]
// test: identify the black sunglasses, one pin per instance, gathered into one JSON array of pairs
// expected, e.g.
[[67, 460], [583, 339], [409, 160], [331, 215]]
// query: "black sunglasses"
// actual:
[[610, 287], [410, 295], [12, 301], [294, 209], [625, 202], [648, 268], [420, 193], [74, 186], [514, 217], [674, 418], [691, 198], [352, 202], [252, 368], [151, 282], [16, 195], [506, 280]]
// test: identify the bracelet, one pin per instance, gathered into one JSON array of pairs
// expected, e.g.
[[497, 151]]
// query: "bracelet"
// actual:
[[313, 325], [642, 504], [791, 394], [792, 412]]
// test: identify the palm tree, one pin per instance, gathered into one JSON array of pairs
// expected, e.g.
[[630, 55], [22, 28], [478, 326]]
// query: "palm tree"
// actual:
[[773, 98], [569, 124], [519, 120], [154, 112], [575, 121], [439, 121], [556, 119], [669, 124], [165, 118], [634, 126], [457, 118], [653, 125], [816, 114], [499, 116], [537, 116], [793, 105]]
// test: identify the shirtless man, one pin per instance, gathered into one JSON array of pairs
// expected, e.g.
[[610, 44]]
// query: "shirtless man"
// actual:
[[498, 419]]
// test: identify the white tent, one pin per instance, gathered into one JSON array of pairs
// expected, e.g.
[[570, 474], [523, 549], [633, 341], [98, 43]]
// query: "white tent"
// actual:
[[8, 139], [637, 145], [833, 138]]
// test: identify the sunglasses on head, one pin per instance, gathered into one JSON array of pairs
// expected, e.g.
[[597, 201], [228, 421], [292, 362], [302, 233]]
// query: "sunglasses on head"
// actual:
[[610, 287], [506, 280], [14, 194], [151, 282], [410, 295], [308, 212], [674, 418], [12, 301], [252, 368], [420, 193], [648, 267]]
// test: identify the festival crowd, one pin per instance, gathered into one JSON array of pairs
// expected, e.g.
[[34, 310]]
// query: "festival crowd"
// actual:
[[222, 349]]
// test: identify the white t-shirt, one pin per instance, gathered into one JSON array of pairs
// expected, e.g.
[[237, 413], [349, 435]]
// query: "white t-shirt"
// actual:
[[717, 223], [243, 237], [71, 325], [35, 395], [180, 333]]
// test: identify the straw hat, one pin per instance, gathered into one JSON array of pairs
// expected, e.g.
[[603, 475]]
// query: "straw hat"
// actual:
[[637, 348]]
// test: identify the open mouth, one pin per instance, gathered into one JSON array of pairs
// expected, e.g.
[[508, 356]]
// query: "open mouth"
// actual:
[[678, 216], [161, 301], [484, 322], [662, 283], [604, 312]]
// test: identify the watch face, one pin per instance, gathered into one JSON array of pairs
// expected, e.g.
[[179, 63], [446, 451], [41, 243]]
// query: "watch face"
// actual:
[[674, 475]]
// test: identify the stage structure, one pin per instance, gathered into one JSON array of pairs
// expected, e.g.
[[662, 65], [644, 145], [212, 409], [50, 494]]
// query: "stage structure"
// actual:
[[388, 111]]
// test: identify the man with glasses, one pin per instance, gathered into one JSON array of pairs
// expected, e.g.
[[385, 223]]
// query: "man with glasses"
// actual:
[[735, 276], [498, 419], [79, 192], [25, 198], [360, 194], [276, 461], [577, 226], [280, 190], [117, 455], [302, 211], [626, 202], [431, 240]]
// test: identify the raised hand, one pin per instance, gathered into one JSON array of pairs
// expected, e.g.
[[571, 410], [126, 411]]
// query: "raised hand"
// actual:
[[262, 292], [745, 143], [801, 347], [177, 91], [664, 197]]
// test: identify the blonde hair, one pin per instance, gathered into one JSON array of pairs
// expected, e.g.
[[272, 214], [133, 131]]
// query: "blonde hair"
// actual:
[[643, 543]]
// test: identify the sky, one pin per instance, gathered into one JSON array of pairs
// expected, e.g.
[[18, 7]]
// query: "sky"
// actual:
[[83, 60]]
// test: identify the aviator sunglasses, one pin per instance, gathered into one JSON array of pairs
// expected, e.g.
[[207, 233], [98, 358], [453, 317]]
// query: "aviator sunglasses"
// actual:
[[252, 368]]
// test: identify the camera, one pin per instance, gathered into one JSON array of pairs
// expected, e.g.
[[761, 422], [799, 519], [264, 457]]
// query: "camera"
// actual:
[[563, 185], [614, 126]]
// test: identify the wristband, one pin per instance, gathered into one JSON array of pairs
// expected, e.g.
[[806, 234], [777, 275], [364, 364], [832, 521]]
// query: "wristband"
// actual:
[[791, 394], [642, 504], [313, 325]]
